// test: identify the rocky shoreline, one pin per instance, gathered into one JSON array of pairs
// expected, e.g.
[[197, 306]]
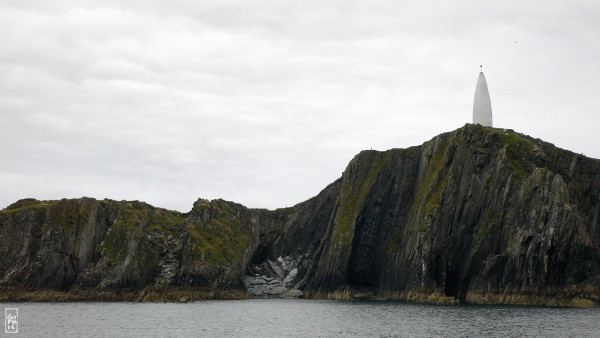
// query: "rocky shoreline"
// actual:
[[574, 298], [149, 294], [552, 298]]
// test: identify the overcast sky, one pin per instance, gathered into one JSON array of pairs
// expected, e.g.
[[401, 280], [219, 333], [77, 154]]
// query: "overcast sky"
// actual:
[[265, 102]]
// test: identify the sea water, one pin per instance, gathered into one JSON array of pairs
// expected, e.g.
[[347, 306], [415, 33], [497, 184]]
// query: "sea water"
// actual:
[[298, 317]]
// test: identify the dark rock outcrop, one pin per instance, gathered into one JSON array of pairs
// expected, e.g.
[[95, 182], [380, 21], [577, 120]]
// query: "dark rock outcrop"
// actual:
[[475, 215]]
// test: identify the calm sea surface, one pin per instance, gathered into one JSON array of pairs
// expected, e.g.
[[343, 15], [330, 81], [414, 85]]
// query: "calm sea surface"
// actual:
[[306, 318]]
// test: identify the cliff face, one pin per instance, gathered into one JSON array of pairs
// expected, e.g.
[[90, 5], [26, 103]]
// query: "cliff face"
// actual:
[[476, 215]]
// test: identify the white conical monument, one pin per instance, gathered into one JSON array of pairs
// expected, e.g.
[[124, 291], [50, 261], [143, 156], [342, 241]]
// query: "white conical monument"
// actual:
[[482, 106]]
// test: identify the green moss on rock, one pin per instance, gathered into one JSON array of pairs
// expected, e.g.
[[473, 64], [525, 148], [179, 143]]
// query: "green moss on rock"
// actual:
[[115, 242], [223, 238], [518, 149], [165, 221], [354, 191], [28, 204]]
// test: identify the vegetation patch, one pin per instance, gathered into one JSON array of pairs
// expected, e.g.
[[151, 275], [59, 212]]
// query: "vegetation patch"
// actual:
[[351, 200], [488, 222], [165, 221], [115, 241], [429, 194], [432, 173], [435, 198], [489, 183], [223, 239], [430, 189], [27, 204], [518, 148], [395, 240], [66, 215]]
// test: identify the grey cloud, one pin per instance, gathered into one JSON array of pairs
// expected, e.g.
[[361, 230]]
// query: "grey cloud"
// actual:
[[265, 102]]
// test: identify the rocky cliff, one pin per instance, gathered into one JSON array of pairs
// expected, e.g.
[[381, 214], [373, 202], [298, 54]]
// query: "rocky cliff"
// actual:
[[478, 215]]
